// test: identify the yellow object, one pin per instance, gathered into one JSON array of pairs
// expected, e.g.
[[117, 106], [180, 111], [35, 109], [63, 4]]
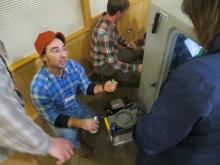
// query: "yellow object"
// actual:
[[107, 123]]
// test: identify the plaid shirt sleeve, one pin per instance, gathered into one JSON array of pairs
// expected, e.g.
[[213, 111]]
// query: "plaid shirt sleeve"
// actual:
[[120, 39], [42, 101], [17, 131], [110, 52]]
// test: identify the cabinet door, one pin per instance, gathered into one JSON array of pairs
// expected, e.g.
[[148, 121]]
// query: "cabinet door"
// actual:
[[153, 57]]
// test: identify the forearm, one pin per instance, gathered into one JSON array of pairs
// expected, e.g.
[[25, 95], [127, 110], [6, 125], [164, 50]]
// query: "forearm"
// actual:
[[65, 121], [99, 88], [74, 122], [121, 40], [124, 67], [112, 59], [94, 89]]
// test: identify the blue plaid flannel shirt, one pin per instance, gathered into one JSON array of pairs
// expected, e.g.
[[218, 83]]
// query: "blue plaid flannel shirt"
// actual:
[[53, 95]]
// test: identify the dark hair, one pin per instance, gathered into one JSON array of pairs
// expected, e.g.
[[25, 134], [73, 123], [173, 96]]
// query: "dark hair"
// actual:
[[117, 5], [205, 15]]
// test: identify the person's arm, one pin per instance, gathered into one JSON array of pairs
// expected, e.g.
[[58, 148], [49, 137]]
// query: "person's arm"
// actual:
[[123, 42], [110, 52], [108, 86], [18, 131], [61, 149], [66, 121], [184, 100], [120, 39]]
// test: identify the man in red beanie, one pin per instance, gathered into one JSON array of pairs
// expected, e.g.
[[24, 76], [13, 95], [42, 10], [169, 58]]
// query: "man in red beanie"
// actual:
[[54, 87]]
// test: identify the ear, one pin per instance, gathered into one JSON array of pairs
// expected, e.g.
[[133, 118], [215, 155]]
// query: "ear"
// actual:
[[43, 58]]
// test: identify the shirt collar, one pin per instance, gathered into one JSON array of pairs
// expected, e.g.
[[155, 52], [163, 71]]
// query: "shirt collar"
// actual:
[[52, 76]]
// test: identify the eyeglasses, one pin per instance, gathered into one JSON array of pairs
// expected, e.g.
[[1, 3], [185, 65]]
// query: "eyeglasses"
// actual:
[[57, 51]]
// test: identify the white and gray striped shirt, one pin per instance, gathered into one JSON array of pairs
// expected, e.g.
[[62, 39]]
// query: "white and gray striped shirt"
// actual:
[[17, 131]]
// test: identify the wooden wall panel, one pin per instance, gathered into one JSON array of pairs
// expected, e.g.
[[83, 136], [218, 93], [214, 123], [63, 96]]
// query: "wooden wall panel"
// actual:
[[78, 49], [135, 18]]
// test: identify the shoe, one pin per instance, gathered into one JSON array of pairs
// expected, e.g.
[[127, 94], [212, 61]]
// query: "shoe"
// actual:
[[84, 151]]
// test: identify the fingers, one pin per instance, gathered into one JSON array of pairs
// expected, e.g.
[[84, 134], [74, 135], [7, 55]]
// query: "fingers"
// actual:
[[60, 162], [67, 153], [61, 149], [90, 124], [63, 159], [110, 86], [132, 45], [95, 125], [69, 148]]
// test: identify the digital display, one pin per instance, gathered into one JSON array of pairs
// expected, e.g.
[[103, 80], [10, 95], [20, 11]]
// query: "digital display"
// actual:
[[193, 47], [185, 49]]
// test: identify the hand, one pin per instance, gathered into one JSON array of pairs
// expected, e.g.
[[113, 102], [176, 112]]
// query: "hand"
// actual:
[[110, 86], [131, 45], [140, 67], [90, 124], [61, 149]]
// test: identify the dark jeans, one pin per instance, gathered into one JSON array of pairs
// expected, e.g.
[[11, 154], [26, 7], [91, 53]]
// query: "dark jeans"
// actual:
[[131, 79]]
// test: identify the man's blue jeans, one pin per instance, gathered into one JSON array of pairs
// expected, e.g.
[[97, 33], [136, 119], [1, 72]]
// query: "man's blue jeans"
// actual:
[[80, 111]]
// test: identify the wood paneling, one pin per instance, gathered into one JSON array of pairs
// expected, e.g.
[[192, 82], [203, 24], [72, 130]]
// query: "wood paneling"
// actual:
[[78, 46], [136, 19]]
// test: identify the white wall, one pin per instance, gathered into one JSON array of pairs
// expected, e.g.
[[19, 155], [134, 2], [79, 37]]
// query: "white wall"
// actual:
[[21, 21]]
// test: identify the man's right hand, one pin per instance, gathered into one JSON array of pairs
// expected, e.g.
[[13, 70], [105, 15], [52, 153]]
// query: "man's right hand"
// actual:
[[86, 124], [140, 67], [90, 124], [61, 149]]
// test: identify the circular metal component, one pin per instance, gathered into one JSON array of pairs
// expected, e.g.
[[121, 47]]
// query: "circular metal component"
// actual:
[[125, 118]]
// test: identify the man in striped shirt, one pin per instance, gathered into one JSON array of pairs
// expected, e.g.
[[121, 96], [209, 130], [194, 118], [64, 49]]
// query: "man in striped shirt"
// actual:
[[108, 60]]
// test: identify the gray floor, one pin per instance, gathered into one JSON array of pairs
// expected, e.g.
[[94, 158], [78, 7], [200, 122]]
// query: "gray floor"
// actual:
[[103, 153]]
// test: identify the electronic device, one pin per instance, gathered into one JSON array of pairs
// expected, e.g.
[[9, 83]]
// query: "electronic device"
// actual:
[[168, 29], [115, 105], [120, 124]]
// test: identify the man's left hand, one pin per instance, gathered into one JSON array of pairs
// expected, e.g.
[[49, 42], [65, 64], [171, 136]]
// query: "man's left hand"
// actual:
[[110, 86], [131, 45]]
